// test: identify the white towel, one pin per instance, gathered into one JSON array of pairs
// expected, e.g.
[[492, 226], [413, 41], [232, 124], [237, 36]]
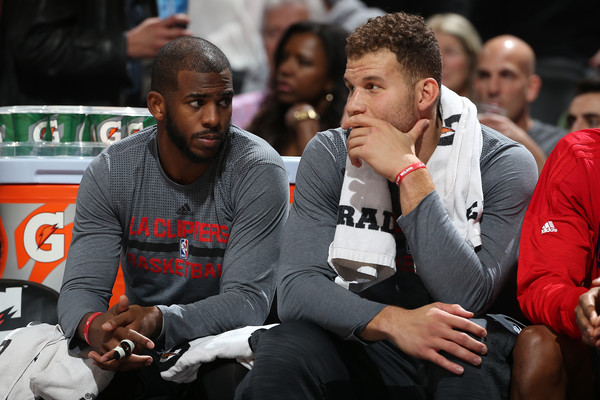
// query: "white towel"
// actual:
[[363, 254], [455, 165], [363, 251], [181, 364], [35, 363]]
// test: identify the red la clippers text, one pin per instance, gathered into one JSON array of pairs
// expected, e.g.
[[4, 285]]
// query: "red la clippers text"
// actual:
[[167, 228]]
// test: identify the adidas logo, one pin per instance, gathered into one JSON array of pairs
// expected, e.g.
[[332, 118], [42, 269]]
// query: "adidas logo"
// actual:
[[184, 210], [548, 227]]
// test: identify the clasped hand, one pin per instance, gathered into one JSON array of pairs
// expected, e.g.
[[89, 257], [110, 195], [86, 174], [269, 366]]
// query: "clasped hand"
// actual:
[[123, 321], [587, 315]]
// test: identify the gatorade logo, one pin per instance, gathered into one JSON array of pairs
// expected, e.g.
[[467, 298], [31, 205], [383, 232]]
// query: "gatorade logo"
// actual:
[[57, 131], [41, 240], [135, 125], [109, 130], [42, 237], [38, 130]]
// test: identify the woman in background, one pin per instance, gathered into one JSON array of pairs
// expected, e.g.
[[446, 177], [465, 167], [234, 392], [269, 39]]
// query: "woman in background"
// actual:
[[460, 45], [307, 93]]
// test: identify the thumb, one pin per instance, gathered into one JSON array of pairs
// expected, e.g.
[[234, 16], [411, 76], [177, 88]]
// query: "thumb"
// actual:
[[122, 305], [418, 129]]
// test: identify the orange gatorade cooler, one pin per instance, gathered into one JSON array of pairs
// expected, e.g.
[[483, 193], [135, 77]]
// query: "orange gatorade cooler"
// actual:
[[37, 208]]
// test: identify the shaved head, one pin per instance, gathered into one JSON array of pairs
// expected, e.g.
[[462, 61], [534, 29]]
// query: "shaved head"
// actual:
[[512, 48]]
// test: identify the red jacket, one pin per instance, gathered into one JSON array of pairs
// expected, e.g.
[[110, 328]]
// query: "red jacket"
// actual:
[[559, 240]]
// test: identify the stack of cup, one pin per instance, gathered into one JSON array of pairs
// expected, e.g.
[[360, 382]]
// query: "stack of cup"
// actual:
[[66, 130]]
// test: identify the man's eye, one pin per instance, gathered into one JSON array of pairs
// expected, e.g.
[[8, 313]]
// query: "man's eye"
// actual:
[[594, 122], [225, 102]]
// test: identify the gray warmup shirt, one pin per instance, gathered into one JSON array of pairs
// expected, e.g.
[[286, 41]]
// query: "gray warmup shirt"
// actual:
[[449, 270], [205, 253]]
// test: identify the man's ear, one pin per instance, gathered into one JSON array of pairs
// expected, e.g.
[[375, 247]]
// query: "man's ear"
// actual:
[[534, 84], [427, 92], [156, 104]]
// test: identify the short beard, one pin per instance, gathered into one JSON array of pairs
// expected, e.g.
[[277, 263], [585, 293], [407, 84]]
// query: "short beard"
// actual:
[[178, 140]]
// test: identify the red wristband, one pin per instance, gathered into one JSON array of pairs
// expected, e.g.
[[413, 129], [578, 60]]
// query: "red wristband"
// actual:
[[86, 328], [408, 170]]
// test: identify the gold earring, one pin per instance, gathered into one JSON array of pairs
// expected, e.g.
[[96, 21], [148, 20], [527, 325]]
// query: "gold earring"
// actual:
[[329, 97]]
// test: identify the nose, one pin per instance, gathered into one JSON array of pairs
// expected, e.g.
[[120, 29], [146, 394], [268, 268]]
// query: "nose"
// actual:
[[355, 104], [210, 116], [493, 86], [286, 67]]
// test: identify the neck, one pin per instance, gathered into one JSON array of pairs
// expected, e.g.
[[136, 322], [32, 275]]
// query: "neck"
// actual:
[[428, 141]]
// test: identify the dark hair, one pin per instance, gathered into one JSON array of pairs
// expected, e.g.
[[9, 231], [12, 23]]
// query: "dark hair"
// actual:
[[269, 122], [185, 54], [589, 84], [405, 35]]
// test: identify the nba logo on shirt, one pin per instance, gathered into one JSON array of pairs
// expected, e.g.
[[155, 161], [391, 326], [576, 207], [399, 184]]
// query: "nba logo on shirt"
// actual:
[[183, 249]]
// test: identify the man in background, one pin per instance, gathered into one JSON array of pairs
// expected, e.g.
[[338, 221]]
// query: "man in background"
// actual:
[[505, 85]]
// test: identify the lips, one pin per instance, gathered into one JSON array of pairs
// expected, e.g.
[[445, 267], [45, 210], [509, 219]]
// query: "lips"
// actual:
[[208, 136], [284, 87]]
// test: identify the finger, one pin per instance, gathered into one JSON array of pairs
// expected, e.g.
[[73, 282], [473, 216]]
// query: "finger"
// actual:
[[122, 305], [460, 352], [455, 309], [128, 363], [587, 305], [596, 282], [418, 129], [443, 362], [177, 19], [467, 342]]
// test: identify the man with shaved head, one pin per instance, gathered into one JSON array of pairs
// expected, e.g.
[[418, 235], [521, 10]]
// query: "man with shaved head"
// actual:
[[505, 85], [192, 209]]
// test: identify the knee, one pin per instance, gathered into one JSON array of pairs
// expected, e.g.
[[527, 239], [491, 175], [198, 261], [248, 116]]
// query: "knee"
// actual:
[[538, 347], [537, 363]]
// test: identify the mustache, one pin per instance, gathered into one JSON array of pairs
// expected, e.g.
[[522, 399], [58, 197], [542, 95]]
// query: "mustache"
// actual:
[[209, 134]]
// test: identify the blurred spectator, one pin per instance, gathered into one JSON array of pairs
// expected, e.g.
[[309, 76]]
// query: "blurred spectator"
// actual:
[[278, 16], [80, 52], [505, 86], [234, 27], [460, 45], [349, 14], [564, 34], [307, 93], [584, 110]]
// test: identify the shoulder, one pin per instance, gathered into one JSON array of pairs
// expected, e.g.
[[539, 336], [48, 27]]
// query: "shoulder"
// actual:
[[244, 151], [132, 148], [330, 144], [497, 145], [506, 162], [579, 144], [575, 151]]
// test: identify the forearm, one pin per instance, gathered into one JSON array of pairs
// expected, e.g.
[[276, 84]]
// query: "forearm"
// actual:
[[212, 316], [541, 305]]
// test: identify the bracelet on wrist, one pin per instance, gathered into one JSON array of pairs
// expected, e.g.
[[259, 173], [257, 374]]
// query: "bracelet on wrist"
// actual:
[[411, 168], [86, 328]]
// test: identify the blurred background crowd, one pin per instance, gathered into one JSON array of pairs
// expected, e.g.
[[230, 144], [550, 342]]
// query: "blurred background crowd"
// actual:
[[520, 62]]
